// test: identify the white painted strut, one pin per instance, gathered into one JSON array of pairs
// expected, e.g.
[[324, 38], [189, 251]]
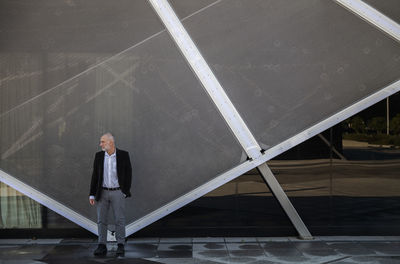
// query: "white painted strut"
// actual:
[[207, 77], [48, 202], [373, 16]]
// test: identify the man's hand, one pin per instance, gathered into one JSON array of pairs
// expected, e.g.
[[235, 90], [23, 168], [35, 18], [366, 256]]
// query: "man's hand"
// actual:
[[91, 201]]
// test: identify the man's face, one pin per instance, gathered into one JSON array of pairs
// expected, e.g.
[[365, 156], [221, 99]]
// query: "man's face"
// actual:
[[105, 143]]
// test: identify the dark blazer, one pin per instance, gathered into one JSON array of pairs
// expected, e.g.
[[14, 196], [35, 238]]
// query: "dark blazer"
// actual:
[[124, 173]]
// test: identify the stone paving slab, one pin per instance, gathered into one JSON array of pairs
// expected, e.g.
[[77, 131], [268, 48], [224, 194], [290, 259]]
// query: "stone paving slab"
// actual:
[[190, 250], [209, 246], [240, 240]]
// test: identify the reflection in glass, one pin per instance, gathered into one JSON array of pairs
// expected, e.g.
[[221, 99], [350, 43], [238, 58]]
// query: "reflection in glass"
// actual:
[[18, 210]]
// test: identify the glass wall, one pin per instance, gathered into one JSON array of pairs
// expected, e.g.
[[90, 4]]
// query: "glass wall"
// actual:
[[344, 181]]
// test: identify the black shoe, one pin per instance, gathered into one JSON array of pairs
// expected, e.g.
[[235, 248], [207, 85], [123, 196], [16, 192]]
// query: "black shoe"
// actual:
[[120, 250], [101, 250]]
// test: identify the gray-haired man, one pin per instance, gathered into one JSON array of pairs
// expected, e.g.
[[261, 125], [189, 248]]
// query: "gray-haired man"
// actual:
[[110, 185]]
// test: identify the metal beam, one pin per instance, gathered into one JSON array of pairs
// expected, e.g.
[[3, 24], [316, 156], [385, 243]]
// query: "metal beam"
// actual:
[[192, 195], [206, 77], [329, 145], [283, 200], [48, 202], [373, 16], [331, 121]]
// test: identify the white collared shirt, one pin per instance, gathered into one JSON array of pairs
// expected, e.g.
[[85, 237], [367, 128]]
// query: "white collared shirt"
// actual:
[[110, 178]]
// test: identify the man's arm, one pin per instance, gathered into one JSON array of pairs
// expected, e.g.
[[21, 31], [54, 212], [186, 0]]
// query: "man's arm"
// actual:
[[93, 183], [128, 178]]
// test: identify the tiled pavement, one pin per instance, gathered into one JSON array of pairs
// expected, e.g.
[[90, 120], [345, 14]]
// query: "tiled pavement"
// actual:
[[207, 250]]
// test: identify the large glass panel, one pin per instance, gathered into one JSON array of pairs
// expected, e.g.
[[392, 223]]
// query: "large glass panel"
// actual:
[[366, 185]]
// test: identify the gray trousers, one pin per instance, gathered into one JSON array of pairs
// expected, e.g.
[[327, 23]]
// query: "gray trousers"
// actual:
[[116, 200]]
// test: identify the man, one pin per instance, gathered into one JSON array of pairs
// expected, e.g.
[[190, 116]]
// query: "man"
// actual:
[[110, 185]]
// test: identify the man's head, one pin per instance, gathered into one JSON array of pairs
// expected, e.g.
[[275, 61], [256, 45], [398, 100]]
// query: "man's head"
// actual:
[[107, 142]]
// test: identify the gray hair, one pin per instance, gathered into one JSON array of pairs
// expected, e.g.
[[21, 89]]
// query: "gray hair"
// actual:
[[109, 136]]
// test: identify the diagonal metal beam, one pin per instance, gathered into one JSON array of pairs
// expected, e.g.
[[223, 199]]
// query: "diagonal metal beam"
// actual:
[[48, 202], [284, 201], [373, 16], [329, 145], [206, 77], [332, 120], [223, 103]]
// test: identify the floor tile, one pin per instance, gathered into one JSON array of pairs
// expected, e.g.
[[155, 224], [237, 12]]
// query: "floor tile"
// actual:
[[243, 246], [73, 253], [246, 253], [44, 241], [172, 260], [350, 248], [78, 240], [24, 251], [212, 260], [140, 250], [240, 240], [246, 260], [369, 260], [383, 248], [211, 254], [174, 254], [275, 252], [317, 245], [174, 247], [278, 245], [209, 246]]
